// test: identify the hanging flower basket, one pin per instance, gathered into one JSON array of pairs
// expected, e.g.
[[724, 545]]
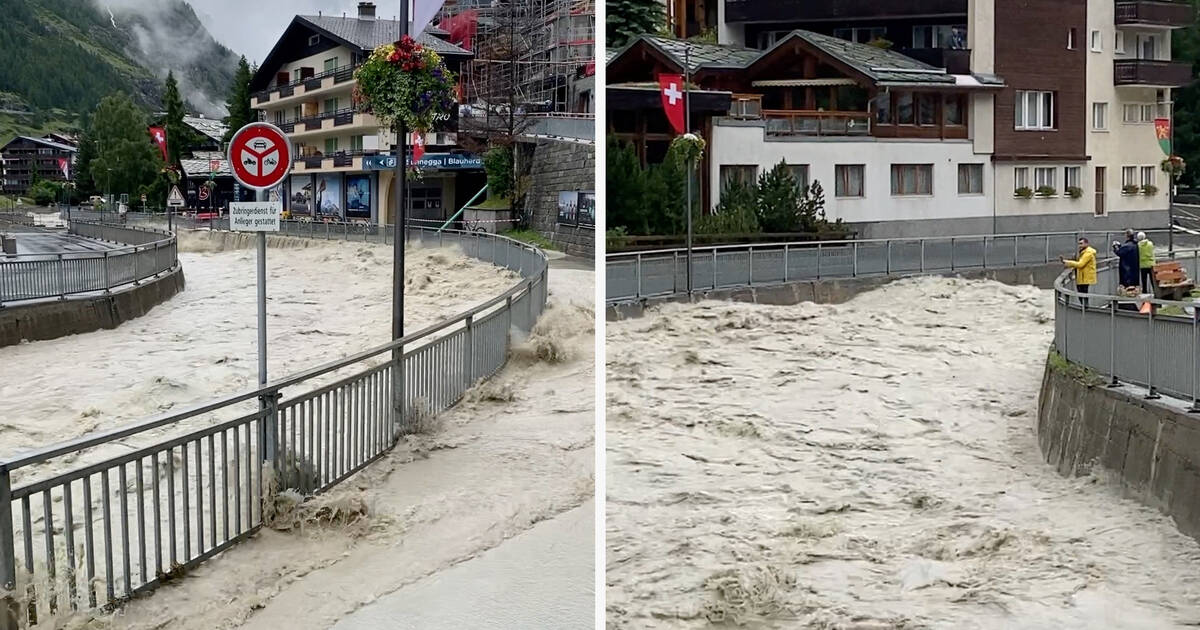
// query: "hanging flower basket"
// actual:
[[690, 146], [405, 83], [1174, 166]]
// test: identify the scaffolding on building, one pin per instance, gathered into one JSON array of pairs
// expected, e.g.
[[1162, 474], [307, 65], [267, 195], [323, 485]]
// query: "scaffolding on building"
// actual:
[[527, 52]]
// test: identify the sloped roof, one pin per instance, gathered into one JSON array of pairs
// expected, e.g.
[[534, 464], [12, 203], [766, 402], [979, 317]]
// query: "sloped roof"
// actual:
[[44, 142], [702, 55], [371, 34], [210, 127], [880, 65], [199, 168]]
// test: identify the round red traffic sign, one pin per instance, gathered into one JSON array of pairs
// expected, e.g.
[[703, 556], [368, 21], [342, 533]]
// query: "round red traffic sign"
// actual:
[[260, 156]]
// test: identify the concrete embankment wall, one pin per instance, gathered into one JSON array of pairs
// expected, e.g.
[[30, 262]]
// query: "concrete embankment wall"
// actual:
[[1151, 448], [834, 290], [51, 320]]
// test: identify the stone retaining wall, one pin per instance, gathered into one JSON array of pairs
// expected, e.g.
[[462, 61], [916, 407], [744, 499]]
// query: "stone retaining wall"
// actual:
[[561, 166]]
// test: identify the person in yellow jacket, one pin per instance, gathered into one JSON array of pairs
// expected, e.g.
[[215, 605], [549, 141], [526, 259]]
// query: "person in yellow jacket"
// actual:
[[1085, 268], [1146, 262]]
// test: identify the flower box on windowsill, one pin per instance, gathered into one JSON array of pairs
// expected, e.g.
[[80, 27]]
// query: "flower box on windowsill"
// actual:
[[1023, 192], [1150, 190], [1074, 192], [1130, 190], [1046, 192]]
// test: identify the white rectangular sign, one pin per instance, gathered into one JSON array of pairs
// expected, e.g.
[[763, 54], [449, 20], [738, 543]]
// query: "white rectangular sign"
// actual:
[[255, 216]]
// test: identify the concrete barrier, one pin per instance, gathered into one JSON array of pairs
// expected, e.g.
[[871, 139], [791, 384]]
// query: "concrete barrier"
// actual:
[[51, 320], [1150, 447], [832, 290]]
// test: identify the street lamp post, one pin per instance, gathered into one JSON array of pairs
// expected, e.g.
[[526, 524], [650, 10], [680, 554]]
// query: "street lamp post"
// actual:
[[398, 239]]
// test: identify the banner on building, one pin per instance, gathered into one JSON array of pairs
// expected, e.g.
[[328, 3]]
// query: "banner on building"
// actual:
[[577, 208], [358, 196], [1162, 130], [328, 197]]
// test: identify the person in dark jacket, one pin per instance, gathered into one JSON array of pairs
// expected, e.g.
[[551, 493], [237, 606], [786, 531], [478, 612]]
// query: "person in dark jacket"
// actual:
[[1128, 254]]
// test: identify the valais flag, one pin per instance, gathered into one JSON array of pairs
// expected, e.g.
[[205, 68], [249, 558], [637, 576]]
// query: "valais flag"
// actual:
[[671, 87], [418, 145], [159, 135]]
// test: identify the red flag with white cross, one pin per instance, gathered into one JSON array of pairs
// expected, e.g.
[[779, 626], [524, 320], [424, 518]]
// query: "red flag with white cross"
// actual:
[[159, 135], [671, 88]]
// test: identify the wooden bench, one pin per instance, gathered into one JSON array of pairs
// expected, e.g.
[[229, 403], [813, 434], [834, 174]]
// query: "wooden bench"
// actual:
[[1171, 282]]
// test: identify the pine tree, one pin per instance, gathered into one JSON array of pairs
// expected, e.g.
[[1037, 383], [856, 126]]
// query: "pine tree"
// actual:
[[1185, 47], [177, 136], [126, 158], [778, 201], [238, 104], [629, 18]]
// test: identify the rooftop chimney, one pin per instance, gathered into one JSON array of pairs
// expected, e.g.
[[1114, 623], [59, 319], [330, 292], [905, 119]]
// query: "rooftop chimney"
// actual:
[[366, 10]]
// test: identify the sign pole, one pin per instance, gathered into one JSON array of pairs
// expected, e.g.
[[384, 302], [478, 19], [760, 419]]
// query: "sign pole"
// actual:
[[262, 300], [687, 128], [398, 242]]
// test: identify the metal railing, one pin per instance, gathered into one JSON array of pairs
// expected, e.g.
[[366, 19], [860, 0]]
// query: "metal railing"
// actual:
[[1110, 335], [128, 515], [660, 273], [149, 253]]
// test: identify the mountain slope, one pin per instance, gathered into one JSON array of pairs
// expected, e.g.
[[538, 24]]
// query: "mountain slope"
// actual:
[[66, 55]]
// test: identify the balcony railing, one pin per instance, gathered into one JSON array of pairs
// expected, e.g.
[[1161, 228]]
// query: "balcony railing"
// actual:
[[838, 10], [782, 122], [1154, 13], [1151, 73], [341, 118], [340, 158], [340, 75], [746, 106], [954, 60]]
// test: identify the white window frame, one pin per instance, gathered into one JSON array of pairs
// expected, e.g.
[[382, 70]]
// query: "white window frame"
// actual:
[[1151, 180], [1099, 116], [1045, 176], [968, 167], [798, 170], [1097, 41], [1128, 177], [1119, 43], [1042, 116], [862, 181], [1020, 178], [1131, 108], [1072, 34], [917, 179], [1072, 177]]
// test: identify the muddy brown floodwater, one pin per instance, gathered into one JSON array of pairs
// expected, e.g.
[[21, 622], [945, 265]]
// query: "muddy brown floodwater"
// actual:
[[866, 465]]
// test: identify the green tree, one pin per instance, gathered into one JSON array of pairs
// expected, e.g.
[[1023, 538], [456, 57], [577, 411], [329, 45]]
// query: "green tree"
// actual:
[[238, 104], [737, 212], [626, 19], [498, 163], [84, 185], [125, 158], [1185, 45], [777, 200], [44, 193], [178, 138], [625, 188]]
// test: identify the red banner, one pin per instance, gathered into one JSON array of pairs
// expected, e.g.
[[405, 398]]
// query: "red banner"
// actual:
[[671, 88], [159, 136], [1162, 131], [418, 145]]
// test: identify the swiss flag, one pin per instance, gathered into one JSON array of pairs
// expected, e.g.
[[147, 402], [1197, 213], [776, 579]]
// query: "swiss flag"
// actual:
[[159, 135], [418, 145], [671, 88], [65, 167]]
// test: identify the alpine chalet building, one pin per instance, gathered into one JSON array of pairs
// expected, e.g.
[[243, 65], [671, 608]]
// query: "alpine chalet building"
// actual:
[[924, 118]]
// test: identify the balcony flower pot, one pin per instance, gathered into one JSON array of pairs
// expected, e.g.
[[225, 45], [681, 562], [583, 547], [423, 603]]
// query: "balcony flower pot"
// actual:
[[1074, 192], [1130, 189], [1174, 166], [1024, 192], [1046, 191], [1150, 190]]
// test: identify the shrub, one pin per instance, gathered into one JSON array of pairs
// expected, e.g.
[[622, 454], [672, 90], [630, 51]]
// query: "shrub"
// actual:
[[498, 162], [1150, 190], [1024, 192], [737, 213], [1074, 192], [1046, 191], [1130, 189]]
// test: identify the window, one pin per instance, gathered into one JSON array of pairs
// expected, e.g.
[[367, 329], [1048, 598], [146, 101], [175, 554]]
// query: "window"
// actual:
[[860, 35], [297, 112], [356, 143], [1132, 113], [1100, 116], [799, 172], [970, 179], [1148, 113], [331, 64], [939, 36], [1020, 177], [883, 108], [904, 108], [1072, 38], [912, 179], [1128, 176], [927, 110], [1072, 177], [331, 105], [1097, 41], [745, 174], [1044, 176], [1119, 43], [296, 75], [1034, 110], [1148, 176], [314, 40], [849, 180], [331, 145], [953, 108], [1147, 47]]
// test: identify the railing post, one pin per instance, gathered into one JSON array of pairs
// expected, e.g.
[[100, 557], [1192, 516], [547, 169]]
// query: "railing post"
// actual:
[[785, 263], [854, 261], [1195, 408], [637, 262], [952, 261], [819, 250], [107, 277], [985, 248], [269, 435], [922, 255], [1151, 393], [714, 269], [1112, 344], [1046, 260], [750, 271], [469, 353], [10, 608], [674, 272], [888, 262], [62, 279]]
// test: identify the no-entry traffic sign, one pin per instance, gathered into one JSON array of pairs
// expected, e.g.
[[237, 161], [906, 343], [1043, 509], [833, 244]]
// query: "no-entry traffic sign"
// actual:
[[260, 156]]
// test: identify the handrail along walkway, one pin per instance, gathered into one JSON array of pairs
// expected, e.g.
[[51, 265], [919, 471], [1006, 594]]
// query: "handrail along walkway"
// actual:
[[147, 512]]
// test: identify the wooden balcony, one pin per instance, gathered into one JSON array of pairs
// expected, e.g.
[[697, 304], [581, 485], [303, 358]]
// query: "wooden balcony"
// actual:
[[1160, 13], [954, 60], [1144, 72], [801, 123], [835, 10]]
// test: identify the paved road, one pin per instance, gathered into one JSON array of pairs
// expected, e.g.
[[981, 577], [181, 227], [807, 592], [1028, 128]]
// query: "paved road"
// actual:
[[58, 242], [503, 589]]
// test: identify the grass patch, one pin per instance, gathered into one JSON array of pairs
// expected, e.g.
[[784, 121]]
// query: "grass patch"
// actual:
[[1087, 376], [533, 237], [493, 203]]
